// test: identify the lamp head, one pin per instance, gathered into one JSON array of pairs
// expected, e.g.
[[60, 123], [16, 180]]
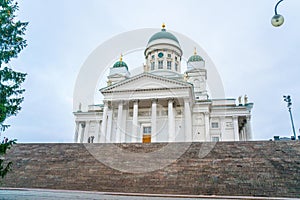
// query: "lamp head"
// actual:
[[277, 20]]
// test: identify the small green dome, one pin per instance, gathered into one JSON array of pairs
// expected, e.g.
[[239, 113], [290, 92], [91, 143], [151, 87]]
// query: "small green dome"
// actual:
[[163, 34], [195, 58], [120, 64]]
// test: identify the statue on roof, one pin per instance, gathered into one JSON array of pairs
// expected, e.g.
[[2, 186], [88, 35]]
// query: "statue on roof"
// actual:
[[240, 100], [245, 99]]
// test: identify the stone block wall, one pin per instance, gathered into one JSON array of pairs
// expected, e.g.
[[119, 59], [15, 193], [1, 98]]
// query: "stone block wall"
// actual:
[[262, 168]]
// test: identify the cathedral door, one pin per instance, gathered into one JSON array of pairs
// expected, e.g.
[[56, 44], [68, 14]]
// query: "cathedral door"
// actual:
[[147, 134]]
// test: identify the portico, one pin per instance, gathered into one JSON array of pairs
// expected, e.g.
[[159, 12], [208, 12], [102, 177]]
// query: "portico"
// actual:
[[138, 117]]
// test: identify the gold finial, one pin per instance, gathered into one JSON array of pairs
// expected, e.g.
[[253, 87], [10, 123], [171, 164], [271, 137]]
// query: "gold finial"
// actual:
[[163, 25], [121, 57], [195, 51]]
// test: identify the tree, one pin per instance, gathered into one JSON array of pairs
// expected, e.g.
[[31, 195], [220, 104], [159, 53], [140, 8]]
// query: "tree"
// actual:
[[11, 44], [5, 167]]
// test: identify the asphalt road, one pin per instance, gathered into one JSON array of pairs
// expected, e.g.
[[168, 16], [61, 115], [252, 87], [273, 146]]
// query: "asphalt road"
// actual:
[[49, 195], [44, 194]]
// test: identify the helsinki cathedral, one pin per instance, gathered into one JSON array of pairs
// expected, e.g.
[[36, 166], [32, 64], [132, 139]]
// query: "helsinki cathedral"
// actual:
[[162, 104]]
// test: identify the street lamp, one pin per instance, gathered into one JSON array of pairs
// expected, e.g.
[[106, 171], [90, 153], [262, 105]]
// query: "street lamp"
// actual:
[[289, 104], [277, 20]]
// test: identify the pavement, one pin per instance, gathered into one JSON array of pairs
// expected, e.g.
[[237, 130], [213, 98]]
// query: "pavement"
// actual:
[[47, 194]]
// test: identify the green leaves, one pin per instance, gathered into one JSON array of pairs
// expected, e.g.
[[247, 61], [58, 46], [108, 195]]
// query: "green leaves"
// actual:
[[5, 168], [5, 146], [10, 94], [11, 44]]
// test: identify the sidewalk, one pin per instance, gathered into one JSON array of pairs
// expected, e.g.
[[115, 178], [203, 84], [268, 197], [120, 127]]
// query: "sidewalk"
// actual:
[[46, 194]]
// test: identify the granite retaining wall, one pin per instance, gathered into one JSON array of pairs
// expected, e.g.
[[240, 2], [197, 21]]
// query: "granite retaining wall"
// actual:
[[262, 168]]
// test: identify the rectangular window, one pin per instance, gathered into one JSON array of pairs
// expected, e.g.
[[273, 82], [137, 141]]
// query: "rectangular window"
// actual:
[[175, 58], [176, 66], [169, 55], [215, 139], [215, 125], [169, 63], [160, 64], [152, 65], [147, 130]]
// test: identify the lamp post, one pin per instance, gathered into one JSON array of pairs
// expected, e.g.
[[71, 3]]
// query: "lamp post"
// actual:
[[277, 20], [289, 104]]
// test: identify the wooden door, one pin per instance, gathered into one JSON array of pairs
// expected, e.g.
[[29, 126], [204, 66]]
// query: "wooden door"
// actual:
[[146, 138]]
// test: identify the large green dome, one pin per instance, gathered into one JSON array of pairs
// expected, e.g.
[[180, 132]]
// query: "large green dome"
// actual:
[[163, 34]]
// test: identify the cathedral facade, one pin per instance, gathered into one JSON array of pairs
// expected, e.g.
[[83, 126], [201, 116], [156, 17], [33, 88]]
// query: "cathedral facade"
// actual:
[[162, 104]]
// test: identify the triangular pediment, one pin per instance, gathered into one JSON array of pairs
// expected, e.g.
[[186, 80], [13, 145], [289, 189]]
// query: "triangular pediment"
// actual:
[[146, 81]]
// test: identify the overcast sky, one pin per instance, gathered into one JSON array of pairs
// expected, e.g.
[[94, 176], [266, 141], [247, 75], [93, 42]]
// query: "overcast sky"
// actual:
[[251, 56]]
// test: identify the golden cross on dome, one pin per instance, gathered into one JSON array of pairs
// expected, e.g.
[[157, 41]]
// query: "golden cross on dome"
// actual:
[[121, 57], [163, 25], [195, 51]]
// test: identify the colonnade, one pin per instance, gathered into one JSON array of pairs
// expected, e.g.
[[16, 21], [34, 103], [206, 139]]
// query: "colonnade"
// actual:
[[134, 134], [103, 132]]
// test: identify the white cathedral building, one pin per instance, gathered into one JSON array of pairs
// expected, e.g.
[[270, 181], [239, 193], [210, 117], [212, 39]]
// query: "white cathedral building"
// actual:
[[162, 104]]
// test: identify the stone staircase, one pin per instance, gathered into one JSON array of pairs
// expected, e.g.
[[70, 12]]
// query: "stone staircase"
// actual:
[[260, 168]]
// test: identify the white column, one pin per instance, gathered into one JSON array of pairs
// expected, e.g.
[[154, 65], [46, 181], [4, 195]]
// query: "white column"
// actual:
[[109, 125], [223, 128], [86, 131], [207, 127], [82, 132], [236, 128], [249, 135], [135, 122], [171, 121], [187, 121], [244, 134], [153, 120], [119, 122], [124, 119], [104, 124], [76, 132], [98, 132]]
